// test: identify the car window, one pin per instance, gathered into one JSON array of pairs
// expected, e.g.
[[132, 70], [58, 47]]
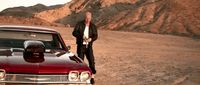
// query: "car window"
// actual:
[[15, 39]]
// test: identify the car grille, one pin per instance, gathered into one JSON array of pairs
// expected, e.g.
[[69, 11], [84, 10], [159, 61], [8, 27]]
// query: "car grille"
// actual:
[[31, 78]]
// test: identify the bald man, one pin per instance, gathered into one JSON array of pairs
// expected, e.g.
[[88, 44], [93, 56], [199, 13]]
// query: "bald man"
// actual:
[[86, 33]]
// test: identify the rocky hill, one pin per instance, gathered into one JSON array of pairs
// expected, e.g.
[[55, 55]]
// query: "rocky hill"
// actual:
[[26, 15], [26, 21], [54, 14], [27, 11], [179, 17]]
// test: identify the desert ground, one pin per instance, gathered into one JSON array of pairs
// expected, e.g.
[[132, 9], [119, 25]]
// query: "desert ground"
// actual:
[[128, 58]]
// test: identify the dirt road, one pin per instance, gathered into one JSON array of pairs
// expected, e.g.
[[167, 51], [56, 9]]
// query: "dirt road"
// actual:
[[125, 58]]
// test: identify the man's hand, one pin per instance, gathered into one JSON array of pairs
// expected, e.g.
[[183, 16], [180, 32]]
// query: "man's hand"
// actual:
[[89, 39]]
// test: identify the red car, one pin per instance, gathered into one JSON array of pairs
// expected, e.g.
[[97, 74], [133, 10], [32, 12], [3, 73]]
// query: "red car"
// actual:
[[37, 55]]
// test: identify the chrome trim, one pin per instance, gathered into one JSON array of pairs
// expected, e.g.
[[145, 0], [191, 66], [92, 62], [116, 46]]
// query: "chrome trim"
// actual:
[[89, 75], [71, 73], [34, 78], [37, 79]]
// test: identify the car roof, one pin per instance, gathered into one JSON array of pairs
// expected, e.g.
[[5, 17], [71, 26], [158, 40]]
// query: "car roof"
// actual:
[[27, 28]]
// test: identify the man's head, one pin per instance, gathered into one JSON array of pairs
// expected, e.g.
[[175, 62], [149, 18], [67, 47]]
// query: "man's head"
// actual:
[[88, 17]]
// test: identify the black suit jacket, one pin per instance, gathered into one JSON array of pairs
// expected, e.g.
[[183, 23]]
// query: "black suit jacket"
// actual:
[[79, 32]]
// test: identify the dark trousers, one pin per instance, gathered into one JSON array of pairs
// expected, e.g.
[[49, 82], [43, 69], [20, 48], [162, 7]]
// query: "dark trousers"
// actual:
[[83, 50]]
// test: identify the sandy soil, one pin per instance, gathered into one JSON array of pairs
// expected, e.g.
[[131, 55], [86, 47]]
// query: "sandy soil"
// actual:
[[126, 58]]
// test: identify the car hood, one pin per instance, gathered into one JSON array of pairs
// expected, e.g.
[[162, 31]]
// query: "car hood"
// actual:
[[52, 63]]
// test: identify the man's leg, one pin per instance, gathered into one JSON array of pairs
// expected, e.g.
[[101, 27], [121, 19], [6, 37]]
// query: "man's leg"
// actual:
[[90, 58], [80, 51]]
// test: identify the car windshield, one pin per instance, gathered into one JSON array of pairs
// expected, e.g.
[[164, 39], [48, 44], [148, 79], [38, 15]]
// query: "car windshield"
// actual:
[[15, 39]]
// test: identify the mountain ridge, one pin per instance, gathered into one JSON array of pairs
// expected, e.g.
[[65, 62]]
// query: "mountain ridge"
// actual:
[[177, 17]]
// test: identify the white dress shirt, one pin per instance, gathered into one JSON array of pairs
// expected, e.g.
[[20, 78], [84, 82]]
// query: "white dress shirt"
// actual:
[[86, 34]]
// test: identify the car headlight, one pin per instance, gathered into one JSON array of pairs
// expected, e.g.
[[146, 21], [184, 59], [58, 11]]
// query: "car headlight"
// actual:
[[73, 76], [2, 73], [84, 76]]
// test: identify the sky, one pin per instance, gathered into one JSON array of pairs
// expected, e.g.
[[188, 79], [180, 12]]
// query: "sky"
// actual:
[[14, 3]]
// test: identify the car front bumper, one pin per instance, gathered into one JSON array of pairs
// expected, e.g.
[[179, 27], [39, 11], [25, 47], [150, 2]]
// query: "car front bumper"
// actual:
[[33, 79]]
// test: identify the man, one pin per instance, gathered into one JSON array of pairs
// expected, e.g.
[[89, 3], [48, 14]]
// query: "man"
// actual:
[[86, 33]]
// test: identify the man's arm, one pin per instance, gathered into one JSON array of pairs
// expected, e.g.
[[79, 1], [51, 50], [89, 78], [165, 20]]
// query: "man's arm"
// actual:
[[95, 34], [76, 33]]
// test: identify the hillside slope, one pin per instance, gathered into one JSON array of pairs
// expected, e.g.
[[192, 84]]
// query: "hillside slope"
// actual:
[[26, 15], [27, 11], [179, 17], [26, 21]]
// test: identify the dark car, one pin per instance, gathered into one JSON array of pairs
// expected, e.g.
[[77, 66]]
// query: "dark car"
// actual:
[[37, 55]]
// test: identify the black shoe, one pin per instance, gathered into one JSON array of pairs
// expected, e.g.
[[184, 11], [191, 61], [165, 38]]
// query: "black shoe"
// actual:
[[92, 81]]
